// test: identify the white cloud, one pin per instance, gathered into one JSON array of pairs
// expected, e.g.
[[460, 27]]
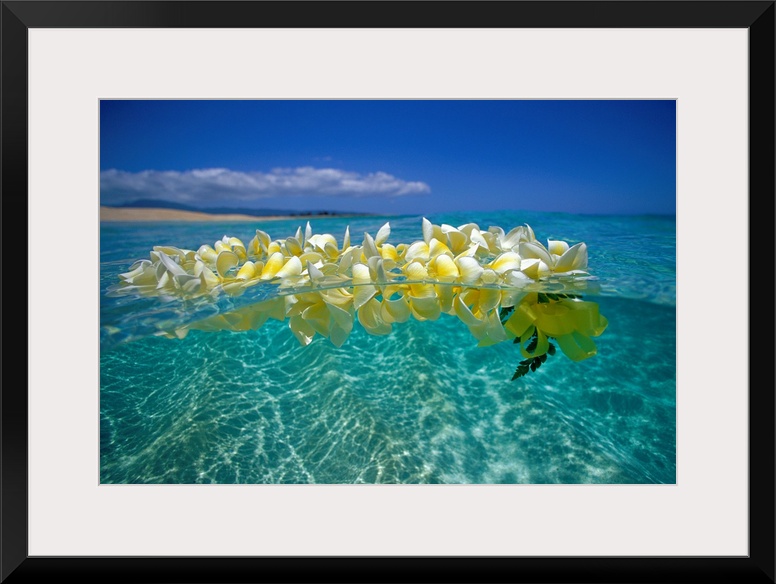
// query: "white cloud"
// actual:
[[217, 185]]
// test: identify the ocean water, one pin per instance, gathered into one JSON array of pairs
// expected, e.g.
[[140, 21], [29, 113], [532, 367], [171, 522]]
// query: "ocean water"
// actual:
[[421, 405]]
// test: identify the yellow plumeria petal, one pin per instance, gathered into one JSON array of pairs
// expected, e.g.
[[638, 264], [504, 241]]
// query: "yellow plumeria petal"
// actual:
[[362, 294], [445, 267], [436, 247], [577, 346], [273, 266], [388, 252], [416, 271], [397, 310], [488, 276], [557, 247], [341, 317], [319, 318], [489, 299], [370, 319], [301, 329], [337, 296], [293, 267], [446, 294], [425, 308], [542, 344], [246, 271], [293, 246]]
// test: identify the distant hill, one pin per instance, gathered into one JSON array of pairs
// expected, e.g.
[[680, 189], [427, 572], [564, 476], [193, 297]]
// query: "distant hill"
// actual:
[[157, 204]]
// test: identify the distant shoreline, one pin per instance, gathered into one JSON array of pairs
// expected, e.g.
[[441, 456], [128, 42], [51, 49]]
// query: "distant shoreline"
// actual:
[[148, 214]]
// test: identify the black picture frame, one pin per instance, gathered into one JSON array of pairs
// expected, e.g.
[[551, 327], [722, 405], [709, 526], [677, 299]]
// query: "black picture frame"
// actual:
[[757, 16]]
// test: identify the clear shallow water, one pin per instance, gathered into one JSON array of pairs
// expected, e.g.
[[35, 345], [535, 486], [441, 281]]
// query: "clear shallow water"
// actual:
[[421, 405]]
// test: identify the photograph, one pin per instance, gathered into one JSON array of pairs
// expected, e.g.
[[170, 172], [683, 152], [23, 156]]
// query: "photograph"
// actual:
[[387, 291], [342, 292]]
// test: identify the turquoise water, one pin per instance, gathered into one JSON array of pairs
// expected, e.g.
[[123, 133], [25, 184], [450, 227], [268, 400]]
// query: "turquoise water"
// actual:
[[421, 405]]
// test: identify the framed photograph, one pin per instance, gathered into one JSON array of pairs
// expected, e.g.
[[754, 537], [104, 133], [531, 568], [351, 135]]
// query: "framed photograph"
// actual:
[[319, 291]]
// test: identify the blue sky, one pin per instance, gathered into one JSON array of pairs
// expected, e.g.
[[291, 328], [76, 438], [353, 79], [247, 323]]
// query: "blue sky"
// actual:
[[396, 156]]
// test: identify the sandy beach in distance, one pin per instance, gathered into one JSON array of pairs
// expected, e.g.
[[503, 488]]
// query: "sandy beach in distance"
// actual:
[[150, 214]]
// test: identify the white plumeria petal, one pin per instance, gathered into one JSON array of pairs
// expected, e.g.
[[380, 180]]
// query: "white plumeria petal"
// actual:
[[226, 260], [382, 234], [517, 278], [506, 261], [574, 258], [344, 263], [417, 251], [470, 268], [361, 274], [314, 273], [535, 250], [170, 264], [489, 276], [370, 248], [428, 230], [308, 232], [458, 240]]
